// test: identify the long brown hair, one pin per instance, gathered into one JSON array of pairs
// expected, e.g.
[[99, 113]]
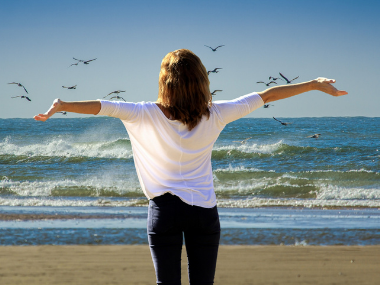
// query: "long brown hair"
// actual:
[[184, 87]]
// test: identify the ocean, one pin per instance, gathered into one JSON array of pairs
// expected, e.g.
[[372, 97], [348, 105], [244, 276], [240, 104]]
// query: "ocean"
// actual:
[[73, 181]]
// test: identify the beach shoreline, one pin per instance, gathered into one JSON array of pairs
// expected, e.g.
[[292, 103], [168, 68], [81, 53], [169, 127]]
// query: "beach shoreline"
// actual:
[[132, 264]]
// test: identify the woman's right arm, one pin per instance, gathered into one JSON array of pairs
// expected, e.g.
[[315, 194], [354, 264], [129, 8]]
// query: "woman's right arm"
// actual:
[[289, 90], [81, 107], [235, 109]]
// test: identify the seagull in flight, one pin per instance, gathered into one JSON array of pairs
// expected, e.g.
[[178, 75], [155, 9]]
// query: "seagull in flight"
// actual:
[[27, 98], [243, 141], [214, 71], [20, 85], [282, 123], [84, 61], [213, 92], [118, 97], [267, 84], [315, 136], [70, 87], [214, 49], [275, 78], [267, 105], [286, 79], [63, 113], [114, 92]]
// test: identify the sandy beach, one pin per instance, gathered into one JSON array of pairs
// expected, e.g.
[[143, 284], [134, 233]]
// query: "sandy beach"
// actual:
[[131, 264]]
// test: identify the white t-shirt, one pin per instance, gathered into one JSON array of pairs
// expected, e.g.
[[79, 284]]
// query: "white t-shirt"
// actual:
[[170, 158]]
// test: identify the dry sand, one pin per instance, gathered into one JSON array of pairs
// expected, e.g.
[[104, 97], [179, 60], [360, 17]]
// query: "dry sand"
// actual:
[[131, 264]]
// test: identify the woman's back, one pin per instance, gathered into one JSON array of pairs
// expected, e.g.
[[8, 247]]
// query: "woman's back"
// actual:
[[169, 157]]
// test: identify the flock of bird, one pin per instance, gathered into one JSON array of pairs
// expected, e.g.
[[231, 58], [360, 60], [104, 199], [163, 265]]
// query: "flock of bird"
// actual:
[[21, 96], [68, 87], [215, 70], [272, 80], [117, 96]]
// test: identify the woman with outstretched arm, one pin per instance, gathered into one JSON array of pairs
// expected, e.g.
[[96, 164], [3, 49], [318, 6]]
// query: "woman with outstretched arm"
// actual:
[[172, 141], [268, 95]]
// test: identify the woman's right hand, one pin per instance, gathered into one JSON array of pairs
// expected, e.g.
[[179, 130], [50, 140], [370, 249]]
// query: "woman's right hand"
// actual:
[[55, 107], [325, 85]]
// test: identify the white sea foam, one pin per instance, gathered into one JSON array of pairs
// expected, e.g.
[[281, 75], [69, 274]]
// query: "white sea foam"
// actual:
[[307, 203], [300, 243], [244, 186], [222, 203], [252, 148], [340, 171], [232, 169], [331, 192], [261, 183], [63, 202], [65, 148], [103, 182]]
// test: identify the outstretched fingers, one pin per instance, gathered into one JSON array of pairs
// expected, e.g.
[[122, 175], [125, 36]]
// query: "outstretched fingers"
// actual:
[[52, 110], [327, 87], [41, 117], [341, 92]]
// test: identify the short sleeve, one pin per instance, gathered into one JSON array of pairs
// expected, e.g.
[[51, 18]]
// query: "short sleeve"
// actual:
[[231, 110], [126, 111]]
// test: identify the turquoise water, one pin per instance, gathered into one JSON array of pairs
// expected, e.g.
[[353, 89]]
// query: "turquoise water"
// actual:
[[87, 163]]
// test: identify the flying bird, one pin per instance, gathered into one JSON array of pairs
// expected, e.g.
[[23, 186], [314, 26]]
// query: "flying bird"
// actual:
[[214, 49], [267, 84], [20, 85], [114, 92], [70, 87], [282, 123], [286, 79], [84, 61], [63, 113], [214, 71], [275, 78], [243, 141], [315, 136], [27, 98], [118, 97], [213, 92], [267, 105]]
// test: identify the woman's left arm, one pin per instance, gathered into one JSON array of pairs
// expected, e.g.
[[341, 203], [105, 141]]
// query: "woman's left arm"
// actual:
[[289, 90]]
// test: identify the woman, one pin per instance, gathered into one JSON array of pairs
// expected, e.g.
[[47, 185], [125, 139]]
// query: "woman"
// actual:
[[172, 141]]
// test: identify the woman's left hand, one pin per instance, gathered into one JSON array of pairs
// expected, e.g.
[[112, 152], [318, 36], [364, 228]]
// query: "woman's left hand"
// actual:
[[53, 109]]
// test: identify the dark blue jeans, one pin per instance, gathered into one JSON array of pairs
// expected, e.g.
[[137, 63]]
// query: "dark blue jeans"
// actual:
[[169, 220]]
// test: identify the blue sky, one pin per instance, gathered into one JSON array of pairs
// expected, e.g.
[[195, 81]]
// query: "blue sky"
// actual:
[[334, 39]]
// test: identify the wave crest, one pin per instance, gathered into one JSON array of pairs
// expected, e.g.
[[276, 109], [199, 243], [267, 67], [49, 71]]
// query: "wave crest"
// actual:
[[120, 148]]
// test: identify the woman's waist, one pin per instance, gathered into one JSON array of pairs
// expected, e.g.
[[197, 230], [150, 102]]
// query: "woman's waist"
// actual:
[[204, 199]]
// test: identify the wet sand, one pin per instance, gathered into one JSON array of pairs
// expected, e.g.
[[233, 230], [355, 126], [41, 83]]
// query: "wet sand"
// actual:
[[131, 264]]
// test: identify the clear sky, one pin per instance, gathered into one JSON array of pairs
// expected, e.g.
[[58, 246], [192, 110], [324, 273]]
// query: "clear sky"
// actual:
[[336, 39]]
